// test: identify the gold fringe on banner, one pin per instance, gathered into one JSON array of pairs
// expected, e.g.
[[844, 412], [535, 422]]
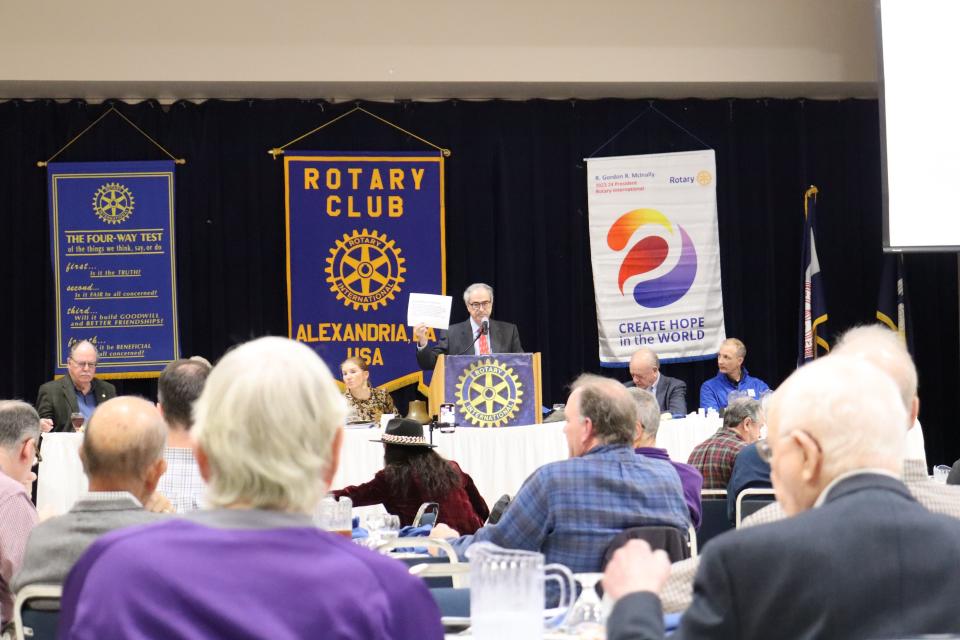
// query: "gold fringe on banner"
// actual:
[[43, 163], [130, 375], [278, 151]]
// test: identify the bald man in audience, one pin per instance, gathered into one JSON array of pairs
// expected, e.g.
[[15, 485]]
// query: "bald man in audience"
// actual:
[[19, 431], [883, 348], [122, 456], [859, 558], [671, 393]]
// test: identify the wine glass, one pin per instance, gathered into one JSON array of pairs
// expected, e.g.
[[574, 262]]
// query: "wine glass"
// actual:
[[76, 419], [585, 619]]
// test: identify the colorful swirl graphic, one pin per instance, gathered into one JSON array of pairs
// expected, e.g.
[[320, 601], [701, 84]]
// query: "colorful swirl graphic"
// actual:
[[648, 254]]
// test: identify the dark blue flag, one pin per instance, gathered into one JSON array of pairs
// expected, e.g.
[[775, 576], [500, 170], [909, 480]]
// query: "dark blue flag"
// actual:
[[813, 307]]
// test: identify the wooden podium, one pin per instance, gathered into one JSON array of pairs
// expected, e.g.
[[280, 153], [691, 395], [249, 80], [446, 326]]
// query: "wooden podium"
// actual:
[[496, 390]]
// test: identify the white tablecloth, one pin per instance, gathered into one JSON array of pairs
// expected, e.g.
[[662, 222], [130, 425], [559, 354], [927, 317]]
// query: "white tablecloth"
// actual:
[[498, 460]]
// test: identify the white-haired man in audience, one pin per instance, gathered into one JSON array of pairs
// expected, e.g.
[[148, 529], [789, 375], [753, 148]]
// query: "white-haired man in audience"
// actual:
[[180, 384], [122, 457], [645, 444], [19, 431], [268, 427], [884, 349], [859, 555]]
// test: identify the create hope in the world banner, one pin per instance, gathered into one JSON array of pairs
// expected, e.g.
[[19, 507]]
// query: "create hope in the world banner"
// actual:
[[114, 264], [656, 255], [364, 230]]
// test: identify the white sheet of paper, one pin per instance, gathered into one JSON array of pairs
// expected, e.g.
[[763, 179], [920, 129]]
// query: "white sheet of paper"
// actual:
[[432, 310]]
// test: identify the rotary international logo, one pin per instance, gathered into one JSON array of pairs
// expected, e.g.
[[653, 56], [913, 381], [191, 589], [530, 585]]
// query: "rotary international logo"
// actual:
[[704, 178], [650, 253], [489, 393], [113, 203], [365, 269]]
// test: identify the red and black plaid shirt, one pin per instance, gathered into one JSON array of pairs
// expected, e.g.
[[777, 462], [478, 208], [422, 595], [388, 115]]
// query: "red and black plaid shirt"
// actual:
[[714, 457]]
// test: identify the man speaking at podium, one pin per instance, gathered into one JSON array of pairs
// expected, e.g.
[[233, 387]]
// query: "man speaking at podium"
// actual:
[[479, 335]]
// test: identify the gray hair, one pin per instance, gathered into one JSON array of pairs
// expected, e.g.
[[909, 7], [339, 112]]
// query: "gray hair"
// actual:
[[474, 287], [741, 348], [850, 407], [77, 345], [648, 410], [266, 420], [125, 436], [883, 348], [610, 408], [18, 422], [739, 410]]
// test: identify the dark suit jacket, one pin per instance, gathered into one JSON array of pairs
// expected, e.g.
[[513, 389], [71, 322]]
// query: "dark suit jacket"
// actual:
[[457, 341], [57, 400], [671, 394], [871, 562]]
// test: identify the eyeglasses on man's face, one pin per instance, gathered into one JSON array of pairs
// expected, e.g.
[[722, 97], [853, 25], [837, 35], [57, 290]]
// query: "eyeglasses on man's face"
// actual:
[[766, 452], [80, 364], [477, 306]]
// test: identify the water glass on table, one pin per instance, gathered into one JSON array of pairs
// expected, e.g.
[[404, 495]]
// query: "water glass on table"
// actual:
[[336, 516], [940, 473]]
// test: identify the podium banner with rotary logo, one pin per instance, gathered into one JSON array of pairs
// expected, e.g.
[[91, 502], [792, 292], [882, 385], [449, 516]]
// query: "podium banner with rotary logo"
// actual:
[[656, 255], [364, 230], [114, 264], [499, 390]]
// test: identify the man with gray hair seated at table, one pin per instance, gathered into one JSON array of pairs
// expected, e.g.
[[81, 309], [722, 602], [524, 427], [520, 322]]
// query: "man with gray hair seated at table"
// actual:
[[268, 429], [860, 558], [714, 457], [122, 457]]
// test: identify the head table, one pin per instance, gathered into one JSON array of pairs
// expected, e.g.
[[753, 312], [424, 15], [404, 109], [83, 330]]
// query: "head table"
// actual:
[[498, 459]]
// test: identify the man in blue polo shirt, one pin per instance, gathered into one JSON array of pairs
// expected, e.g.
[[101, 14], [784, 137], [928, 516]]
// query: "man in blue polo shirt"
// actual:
[[732, 376]]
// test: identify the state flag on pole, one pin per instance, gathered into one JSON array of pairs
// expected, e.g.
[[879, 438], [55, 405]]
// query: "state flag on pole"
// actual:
[[893, 306], [813, 308]]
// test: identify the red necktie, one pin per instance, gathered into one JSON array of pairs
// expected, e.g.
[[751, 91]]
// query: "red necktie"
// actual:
[[484, 345]]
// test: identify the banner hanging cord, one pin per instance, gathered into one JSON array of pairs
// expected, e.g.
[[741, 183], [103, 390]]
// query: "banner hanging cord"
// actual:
[[43, 163], [277, 151], [649, 108]]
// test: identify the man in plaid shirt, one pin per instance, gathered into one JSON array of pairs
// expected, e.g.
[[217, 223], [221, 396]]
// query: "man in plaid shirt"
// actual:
[[179, 387], [714, 457], [570, 510]]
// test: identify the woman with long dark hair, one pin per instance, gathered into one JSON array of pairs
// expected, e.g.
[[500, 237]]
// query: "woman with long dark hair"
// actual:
[[413, 473]]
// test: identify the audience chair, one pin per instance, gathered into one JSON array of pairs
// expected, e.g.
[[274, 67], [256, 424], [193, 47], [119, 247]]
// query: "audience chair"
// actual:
[[749, 501], [496, 512], [36, 612], [453, 603], [433, 546], [714, 520], [427, 514], [456, 574], [672, 540], [692, 537]]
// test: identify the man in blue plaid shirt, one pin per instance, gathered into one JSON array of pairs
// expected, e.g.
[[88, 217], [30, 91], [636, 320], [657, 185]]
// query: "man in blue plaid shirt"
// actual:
[[571, 510]]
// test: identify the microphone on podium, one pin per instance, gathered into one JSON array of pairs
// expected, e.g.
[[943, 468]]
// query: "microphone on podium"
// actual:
[[485, 327]]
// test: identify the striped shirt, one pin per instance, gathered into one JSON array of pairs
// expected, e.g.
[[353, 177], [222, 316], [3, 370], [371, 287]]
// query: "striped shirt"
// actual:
[[181, 483], [17, 518]]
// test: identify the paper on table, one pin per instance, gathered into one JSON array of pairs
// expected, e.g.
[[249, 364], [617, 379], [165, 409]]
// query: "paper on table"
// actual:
[[432, 310]]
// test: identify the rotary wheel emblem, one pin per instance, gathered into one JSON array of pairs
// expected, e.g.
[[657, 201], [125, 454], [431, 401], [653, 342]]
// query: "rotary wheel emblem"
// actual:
[[489, 393], [365, 269], [113, 203]]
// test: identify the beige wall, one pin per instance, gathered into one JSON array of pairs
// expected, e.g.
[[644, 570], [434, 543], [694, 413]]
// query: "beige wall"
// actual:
[[435, 49]]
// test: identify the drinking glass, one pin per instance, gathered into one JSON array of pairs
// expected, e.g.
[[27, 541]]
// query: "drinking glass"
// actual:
[[76, 419], [940, 473], [586, 619], [336, 516], [391, 528]]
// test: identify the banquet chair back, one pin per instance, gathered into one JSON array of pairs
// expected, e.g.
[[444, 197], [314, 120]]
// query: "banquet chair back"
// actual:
[[457, 574], [453, 603], [749, 501], [496, 512], [36, 612], [672, 540], [427, 514], [714, 521]]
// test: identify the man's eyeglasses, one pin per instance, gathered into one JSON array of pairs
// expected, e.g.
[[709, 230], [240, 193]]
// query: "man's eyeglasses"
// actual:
[[766, 452], [85, 365], [480, 305]]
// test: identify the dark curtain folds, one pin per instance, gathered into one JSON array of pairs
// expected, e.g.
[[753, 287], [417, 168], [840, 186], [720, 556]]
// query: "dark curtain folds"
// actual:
[[516, 217]]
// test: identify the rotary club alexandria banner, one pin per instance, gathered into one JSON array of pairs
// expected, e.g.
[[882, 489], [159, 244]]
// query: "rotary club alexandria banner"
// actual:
[[656, 255], [114, 264], [364, 230]]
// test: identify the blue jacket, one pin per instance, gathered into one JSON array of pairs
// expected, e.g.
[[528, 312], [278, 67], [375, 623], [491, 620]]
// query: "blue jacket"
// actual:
[[714, 392]]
